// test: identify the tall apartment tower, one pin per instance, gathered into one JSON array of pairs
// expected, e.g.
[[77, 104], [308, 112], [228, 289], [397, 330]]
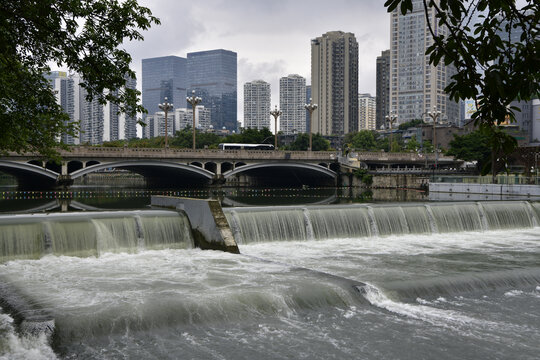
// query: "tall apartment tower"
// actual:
[[257, 104], [66, 88], [92, 121], [334, 83], [415, 85], [183, 117], [213, 76], [163, 77], [383, 88], [120, 126], [366, 112], [292, 98]]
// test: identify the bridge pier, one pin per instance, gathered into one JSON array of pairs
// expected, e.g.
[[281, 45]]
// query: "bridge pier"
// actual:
[[64, 181]]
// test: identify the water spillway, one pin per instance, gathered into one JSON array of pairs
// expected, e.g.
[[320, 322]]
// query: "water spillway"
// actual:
[[308, 223], [463, 278], [91, 233]]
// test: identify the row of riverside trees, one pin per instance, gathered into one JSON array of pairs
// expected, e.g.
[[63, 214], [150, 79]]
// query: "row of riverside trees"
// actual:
[[183, 139], [471, 147]]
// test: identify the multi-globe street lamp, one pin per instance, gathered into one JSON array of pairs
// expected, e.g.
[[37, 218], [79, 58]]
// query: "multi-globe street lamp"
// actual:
[[275, 113], [311, 108], [194, 101], [391, 119], [166, 107], [434, 115]]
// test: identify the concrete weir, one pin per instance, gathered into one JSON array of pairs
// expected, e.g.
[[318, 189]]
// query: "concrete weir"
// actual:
[[209, 225]]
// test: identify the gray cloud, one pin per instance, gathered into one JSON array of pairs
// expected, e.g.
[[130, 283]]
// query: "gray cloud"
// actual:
[[272, 38]]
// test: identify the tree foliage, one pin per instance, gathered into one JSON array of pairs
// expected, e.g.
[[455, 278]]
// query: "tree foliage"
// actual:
[[251, 136], [84, 36], [302, 143], [409, 124], [491, 68], [364, 140], [471, 147]]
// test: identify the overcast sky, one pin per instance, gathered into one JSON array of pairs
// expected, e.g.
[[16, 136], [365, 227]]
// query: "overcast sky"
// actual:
[[271, 37]]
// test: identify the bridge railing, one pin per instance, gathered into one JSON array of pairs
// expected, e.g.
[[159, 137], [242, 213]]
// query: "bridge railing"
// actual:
[[172, 153]]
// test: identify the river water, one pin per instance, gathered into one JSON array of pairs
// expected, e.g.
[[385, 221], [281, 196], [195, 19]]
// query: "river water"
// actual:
[[392, 281]]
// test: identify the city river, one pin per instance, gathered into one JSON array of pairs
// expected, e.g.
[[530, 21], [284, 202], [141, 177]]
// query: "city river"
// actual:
[[326, 274]]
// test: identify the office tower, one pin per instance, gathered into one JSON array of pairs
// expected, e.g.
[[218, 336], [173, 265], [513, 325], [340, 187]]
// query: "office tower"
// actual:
[[212, 74], [415, 85], [334, 83], [66, 88], [183, 118], [366, 112], [292, 98], [257, 105], [163, 77], [119, 126], [308, 98], [383, 88]]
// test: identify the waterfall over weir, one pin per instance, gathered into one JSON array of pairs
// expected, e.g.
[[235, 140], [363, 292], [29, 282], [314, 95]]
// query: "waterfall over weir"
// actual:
[[91, 233], [307, 223]]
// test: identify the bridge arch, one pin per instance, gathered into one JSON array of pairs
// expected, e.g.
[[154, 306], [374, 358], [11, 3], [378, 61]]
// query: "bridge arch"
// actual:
[[74, 165], [284, 173], [211, 166], [226, 166], [157, 173], [29, 176]]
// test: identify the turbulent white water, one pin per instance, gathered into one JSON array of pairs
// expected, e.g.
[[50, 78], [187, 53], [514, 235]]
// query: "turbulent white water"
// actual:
[[396, 295]]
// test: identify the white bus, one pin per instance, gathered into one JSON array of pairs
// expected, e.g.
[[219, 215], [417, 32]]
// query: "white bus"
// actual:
[[237, 146]]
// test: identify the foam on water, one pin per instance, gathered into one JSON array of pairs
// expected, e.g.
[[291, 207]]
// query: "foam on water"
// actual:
[[17, 347]]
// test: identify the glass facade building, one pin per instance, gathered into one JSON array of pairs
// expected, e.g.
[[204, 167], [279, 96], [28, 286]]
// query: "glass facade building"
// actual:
[[213, 76], [163, 77]]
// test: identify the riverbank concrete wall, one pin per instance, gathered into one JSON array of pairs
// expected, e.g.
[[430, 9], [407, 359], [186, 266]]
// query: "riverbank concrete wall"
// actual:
[[209, 225], [491, 191], [387, 181]]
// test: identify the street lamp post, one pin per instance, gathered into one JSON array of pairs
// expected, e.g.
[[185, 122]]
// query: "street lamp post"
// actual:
[[390, 119], [166, 107], [311, 108], [194, 101], [536, 156], [434, 115], [275, 113]]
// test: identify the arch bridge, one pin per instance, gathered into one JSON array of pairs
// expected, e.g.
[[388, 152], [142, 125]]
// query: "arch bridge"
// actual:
[[178, 167]]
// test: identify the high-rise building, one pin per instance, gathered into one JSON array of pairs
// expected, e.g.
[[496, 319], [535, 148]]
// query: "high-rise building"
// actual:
[[524, 118], [183, 117], [92, 120], [163, 77], [383, 88], [366, 112], [213, 76], [257, 104], [334, 83], [292, 98], [130, 122], [119, 126], [66, 88], [416, 87]]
